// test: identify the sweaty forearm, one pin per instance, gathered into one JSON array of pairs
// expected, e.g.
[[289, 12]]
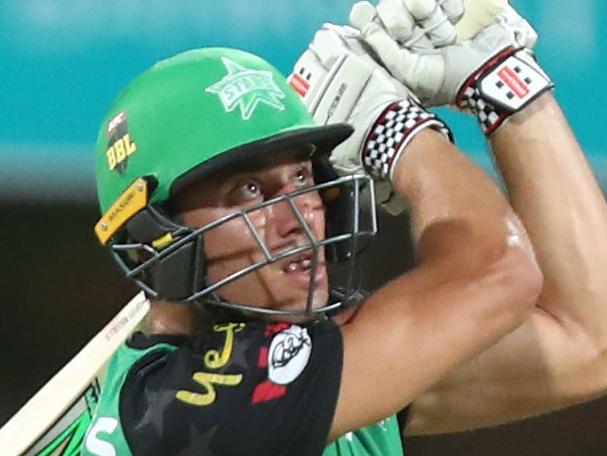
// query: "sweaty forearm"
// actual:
[[554, 192]]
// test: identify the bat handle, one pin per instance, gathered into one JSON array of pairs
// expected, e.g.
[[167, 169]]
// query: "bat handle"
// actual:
[[477, 15]]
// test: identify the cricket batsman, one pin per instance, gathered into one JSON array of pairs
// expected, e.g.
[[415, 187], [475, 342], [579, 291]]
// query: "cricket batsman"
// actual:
[[241, 208]]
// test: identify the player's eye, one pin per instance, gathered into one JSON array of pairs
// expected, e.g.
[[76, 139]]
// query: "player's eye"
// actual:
[[250, 189], [302, 176], [246, 191]]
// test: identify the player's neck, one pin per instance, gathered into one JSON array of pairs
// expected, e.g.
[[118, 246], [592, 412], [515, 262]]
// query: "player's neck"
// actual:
[[175, 318]]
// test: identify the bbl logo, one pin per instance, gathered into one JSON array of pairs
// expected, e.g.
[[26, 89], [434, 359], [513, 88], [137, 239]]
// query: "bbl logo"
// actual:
[[120, 145]]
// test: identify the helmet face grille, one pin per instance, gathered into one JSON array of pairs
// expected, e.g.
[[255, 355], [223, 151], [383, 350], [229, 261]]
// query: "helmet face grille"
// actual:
[[351, 223]]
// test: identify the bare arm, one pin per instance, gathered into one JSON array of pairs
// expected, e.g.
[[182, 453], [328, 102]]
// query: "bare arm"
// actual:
[[556, 195], [557, 357], [476, 281]]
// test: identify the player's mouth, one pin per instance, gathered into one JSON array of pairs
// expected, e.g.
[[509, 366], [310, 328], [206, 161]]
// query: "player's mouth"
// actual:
[[299, 268]]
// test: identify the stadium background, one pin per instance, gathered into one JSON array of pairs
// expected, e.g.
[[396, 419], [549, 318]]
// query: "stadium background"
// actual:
[[61, 65]]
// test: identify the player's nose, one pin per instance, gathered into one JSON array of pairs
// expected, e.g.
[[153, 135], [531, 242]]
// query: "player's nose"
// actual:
[[296, 215]]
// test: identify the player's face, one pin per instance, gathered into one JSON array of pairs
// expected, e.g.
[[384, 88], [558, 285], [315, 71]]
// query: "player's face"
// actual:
[[232, 246]]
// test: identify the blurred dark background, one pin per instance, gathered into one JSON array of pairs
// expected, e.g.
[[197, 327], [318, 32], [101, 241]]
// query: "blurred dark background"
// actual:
[[61, 65], [60, 287]]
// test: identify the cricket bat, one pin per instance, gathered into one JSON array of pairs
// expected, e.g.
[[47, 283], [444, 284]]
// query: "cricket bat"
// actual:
[[477, 15], [54, 421]]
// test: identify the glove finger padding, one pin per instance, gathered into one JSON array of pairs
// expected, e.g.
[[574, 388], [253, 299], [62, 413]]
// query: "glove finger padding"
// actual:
[[399, 23], [454, 9], [421, 72], [416, 24], [391, 16], [524, 34], [432, 19]]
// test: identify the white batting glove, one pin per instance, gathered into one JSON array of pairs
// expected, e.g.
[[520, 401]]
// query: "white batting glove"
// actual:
[[419, 24], [493, 74], [339, 82]]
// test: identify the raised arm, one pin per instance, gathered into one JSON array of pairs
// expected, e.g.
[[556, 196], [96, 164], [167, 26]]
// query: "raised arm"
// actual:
[[477, 278], [476, 281], [557, 357], [555, 193]]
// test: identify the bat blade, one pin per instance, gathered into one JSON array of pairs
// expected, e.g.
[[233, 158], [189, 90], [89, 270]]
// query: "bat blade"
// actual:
[[55, 418], [477, 15]]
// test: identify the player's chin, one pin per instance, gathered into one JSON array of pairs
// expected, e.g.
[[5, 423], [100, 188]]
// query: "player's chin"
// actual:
[[296, 298]]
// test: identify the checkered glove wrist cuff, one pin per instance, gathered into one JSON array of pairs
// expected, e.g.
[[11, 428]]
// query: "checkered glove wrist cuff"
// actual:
[[505, 84], [398, 123]]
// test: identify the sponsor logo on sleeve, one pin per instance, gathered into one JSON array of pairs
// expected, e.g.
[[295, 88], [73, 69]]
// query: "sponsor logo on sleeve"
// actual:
[[209, 379], [288, 355], [285, 359]]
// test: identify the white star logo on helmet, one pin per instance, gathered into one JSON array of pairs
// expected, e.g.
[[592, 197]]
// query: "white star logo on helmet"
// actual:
[[246, 88]]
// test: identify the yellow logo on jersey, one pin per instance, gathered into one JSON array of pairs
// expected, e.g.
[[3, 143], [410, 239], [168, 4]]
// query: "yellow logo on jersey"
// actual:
[[214, 359]]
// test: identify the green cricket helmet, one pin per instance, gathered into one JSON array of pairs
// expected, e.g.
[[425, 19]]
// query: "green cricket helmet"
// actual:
[[192, 115]]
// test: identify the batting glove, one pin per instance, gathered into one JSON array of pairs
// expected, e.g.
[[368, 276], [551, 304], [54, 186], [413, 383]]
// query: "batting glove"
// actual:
[[493, 74], [420, 24], [339, 82]]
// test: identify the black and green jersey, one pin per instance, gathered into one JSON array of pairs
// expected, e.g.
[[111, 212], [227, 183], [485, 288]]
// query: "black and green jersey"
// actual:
[[236, 389], [380, 439]]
